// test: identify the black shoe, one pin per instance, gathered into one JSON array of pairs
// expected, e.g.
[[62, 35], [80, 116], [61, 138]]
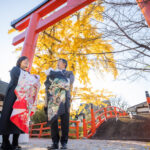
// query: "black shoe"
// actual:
[[2, 147], [53, 146], [17, 147], [64, 146], [6, 147]]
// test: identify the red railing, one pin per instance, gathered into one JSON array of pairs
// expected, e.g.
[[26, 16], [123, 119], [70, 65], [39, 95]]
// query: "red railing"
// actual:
[[98, 117], [89, 127], [41, 127]]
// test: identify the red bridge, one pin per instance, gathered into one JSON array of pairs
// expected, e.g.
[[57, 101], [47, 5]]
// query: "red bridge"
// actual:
[[89, 127]]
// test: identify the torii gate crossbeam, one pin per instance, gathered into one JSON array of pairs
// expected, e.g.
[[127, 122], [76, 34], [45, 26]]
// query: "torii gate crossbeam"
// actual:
[[33, 22]]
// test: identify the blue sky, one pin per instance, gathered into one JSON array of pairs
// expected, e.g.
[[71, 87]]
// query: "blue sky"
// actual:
[[11, 9]]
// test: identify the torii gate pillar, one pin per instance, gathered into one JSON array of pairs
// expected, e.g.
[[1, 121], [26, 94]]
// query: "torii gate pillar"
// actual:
[[31, 39]]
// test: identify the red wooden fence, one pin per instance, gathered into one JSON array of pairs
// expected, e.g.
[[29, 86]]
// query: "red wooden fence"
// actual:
[[98, 117], [42, 127]]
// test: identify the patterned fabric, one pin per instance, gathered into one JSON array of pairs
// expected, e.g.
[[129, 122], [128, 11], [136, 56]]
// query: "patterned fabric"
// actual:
[[26, 92], [57, 91]]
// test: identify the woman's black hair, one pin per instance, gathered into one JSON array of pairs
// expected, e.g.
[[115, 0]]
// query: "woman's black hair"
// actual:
[[64, 61], [22, 58]]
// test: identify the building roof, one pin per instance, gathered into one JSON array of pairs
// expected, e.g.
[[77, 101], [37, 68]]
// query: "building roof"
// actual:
[[133, 108], [3, 87]]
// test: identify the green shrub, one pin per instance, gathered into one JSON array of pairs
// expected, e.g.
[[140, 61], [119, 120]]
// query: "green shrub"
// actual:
[[39, 117]]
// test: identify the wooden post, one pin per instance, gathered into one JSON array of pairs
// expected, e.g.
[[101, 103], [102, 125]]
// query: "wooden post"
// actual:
[[77, 129], [41, 129], [110, 114], [120, 114], [84, 126], [124, 113], [100, 119], [105, 112], [115, 110], [31, 130], [93, 124]]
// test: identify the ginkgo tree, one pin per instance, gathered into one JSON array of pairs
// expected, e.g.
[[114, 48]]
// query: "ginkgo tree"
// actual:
[[77, 40], [89, 96]]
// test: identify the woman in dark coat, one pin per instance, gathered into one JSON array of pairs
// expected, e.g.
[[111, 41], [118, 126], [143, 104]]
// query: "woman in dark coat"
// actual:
[[6, 126]]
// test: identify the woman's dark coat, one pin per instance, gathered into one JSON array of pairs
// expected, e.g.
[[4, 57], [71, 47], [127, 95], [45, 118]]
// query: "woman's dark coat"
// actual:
[[6, 126]]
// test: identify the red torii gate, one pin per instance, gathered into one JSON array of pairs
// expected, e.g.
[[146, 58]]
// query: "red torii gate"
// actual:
[[33, 22]]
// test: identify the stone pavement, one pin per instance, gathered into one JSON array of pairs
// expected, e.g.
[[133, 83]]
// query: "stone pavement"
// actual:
[[87, 144]]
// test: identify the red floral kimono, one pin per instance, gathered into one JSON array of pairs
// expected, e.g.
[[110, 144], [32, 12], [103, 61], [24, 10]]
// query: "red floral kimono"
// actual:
[[26, 92]]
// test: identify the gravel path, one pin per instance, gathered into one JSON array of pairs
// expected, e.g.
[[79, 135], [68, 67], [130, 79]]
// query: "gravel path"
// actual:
[[86, 144]]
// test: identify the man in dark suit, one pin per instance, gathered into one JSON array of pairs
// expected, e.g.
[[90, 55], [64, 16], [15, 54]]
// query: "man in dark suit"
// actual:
[[62, 65]]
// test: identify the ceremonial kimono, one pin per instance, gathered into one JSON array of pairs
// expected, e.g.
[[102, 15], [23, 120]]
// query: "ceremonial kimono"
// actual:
[[18, 101], [58, 87], [26, 92], [58, 84]]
